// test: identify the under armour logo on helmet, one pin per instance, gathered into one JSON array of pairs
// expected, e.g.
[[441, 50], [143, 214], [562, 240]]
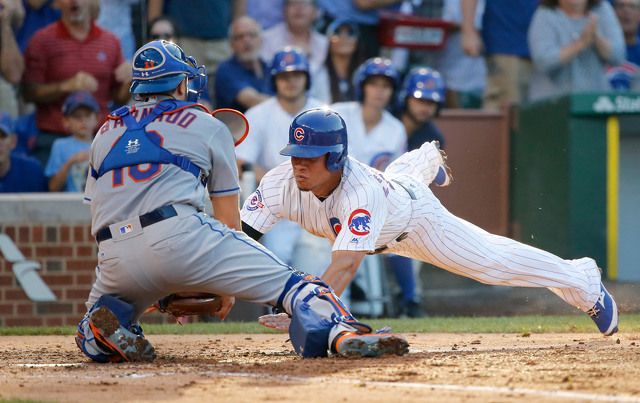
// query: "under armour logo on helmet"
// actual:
[[298, 134]]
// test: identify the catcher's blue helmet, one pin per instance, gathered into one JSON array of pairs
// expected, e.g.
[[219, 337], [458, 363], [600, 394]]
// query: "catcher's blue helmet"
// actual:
[[316, 132], [160, 66], [290, 59], [376, 66], [422, 83]]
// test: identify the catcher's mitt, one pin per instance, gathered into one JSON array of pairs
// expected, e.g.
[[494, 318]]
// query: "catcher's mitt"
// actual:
[[187, 303]]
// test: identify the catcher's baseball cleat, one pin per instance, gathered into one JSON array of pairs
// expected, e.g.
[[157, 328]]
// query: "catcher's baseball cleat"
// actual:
[[111, 336], [444, 177], [605, 313], [356, 344]]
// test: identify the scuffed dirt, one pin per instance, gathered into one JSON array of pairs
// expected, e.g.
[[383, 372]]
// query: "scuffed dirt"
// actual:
[[263, 367]]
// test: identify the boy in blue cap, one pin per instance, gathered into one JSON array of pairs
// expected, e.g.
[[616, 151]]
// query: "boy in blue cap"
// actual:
[[69, 160]]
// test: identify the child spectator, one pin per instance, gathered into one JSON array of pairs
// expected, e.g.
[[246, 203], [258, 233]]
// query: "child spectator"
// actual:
[[69, 162], [18, 172]]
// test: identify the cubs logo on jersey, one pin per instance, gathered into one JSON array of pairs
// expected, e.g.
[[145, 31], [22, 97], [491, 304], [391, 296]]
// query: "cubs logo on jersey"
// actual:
[[255, 202], [336, 226], [359, 222], [299, 134]]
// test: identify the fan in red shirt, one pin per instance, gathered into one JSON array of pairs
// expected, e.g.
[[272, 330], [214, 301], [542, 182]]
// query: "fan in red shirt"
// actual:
[[71, 55]]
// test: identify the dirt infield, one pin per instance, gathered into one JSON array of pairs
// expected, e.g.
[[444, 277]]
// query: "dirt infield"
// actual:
[[262, 367]]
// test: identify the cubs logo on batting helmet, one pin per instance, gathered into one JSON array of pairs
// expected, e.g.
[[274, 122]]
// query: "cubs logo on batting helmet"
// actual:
[[159, 66], [422, 83], [376, 66], [289, 59], [317, 132]]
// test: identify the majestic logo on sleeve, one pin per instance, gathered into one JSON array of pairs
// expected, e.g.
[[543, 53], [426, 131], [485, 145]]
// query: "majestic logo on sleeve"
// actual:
[[298, 134], [255, 202], [359, 222], [336, 226]]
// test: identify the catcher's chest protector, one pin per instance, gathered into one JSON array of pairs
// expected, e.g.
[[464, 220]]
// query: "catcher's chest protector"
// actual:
[[138, 146]]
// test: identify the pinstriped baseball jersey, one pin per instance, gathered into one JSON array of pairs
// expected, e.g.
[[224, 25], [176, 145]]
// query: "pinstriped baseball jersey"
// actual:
[[434, 235], [131, 191], [378, 147], [366, 211]]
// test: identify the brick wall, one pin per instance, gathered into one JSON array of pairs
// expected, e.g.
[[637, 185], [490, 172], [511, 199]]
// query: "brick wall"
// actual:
[[53, 230], [67, 255]]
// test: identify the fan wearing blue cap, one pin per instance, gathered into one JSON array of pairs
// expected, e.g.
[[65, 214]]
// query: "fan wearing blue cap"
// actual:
[[68, 163], [18, 172]]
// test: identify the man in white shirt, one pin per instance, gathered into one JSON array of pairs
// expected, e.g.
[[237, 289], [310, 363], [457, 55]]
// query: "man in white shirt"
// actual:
[[269, 124], [297, 30]]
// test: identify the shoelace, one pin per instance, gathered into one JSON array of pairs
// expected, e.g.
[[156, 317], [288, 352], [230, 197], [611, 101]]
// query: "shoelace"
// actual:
[[593, 312]]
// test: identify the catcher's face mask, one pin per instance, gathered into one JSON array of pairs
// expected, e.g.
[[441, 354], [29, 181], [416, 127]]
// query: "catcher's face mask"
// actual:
[[160, 66]]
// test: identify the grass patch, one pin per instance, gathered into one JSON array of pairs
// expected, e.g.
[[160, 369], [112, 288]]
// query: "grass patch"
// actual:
[[511, 324]]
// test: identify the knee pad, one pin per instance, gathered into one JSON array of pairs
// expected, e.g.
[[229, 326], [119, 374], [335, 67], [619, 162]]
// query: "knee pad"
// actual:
[[295, 278], [310, 328]]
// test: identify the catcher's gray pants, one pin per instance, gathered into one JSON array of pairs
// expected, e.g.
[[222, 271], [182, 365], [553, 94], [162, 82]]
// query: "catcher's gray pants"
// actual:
[[192, 252]]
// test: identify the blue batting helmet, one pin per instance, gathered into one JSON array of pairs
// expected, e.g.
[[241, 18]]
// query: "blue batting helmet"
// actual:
[[160, 66], [376, 66], [422, 83], [316, 132], [290, 59]]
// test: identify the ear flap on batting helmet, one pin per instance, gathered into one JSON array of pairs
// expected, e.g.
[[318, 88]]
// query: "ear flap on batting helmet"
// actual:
[[160, 66], [376, 66], [316, 132], [289, 59]]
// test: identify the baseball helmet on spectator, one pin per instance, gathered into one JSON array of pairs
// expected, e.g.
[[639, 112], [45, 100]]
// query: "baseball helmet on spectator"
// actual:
[[376, 66], [290, 59], [422, 83]]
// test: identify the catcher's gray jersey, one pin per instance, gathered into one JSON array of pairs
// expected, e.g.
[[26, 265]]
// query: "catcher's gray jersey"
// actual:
[[126, 192]]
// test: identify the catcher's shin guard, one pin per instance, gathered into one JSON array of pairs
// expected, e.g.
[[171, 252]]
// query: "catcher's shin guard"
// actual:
[[106, 334], [314, 316]]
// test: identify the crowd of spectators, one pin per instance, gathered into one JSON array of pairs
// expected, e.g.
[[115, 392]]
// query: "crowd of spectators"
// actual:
[[65, 64], [497, 53]]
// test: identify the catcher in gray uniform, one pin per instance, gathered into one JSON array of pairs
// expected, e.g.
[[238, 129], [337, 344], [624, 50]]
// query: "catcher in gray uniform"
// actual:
[[150, 167]]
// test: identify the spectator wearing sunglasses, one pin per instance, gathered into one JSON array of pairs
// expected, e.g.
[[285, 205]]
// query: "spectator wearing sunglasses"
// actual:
[[334, 79], [162, 27], [203, 26]]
